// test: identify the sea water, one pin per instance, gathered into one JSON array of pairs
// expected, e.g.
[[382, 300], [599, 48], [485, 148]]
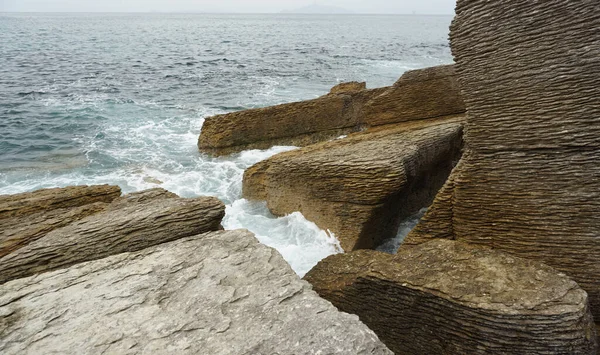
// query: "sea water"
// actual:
[[121, 98]]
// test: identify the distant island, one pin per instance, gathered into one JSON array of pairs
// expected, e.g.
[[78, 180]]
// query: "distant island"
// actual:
[[318, 9]]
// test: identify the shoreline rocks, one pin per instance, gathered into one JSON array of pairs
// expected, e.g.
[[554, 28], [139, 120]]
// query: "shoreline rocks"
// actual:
[[215, 293], [361, 187], [132, 223], [446, 297], [349, 107], [529, 181]]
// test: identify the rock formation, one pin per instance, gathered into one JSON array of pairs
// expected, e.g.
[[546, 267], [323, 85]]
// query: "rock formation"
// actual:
[[133, 223], [529, 182], [216, 293], [349, 107], [361, 187], [29, 216], [445, 297]]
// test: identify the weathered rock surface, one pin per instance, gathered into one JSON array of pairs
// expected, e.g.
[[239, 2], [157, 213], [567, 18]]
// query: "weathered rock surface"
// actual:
[[445, 297], [361, 187], [28, 203], [529, 182], [29, 216], [130, 227], [142, 197], [19, 231], [217, 293], [349, 107], [418, 94]]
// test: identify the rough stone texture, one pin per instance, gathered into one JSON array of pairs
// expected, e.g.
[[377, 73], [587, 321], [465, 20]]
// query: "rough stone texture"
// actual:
[[529, 182], [19, 231], [361, 187], [419, 94], [28, 203], [217, 293], [445, 297], [349, 87], [142, 197], [129, 228]]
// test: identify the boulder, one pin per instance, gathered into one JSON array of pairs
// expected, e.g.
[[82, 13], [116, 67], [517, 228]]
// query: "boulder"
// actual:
[[349, 107], [215, 293], [446, 297], [361, 187], [142, 197], [25, 204], [131, 227], [529, 182]]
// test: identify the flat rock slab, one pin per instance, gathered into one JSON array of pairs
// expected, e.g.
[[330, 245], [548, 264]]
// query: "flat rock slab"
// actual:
[[129, 226], [446, 297], [349, 107], [361, 187], [216, 293]]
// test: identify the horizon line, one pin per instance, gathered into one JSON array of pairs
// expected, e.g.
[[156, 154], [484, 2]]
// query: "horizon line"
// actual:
[[222, 13]]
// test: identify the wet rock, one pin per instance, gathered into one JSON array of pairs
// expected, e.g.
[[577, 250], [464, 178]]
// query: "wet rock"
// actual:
[[361, 187], [445, 297], [216, 293], [130, 227], [529, 183], [349, 107]]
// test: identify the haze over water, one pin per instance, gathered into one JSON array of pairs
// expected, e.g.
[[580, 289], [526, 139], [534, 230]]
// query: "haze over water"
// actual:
[[121, 98]]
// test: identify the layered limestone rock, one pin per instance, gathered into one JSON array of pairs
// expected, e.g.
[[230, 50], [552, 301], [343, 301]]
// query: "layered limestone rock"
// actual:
[[29, 216], [529, 183], [216, 293], [445, 297], [133, 223], [349, 107], [21, 205], [361, 187]]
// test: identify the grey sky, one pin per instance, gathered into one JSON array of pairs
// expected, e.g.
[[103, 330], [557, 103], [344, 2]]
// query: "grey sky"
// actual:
[[256, 6]]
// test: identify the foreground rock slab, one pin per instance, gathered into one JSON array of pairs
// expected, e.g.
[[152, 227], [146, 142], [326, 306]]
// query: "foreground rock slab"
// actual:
[[529, 182], [133, 223], [217, 293], [29, 216], [445, 297], [363, 186], [349, 107]]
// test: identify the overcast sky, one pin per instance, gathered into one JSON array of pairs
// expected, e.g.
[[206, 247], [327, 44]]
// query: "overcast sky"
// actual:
[[255, 6]]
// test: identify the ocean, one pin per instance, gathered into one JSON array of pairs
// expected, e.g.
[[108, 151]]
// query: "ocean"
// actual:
[[121, 98]]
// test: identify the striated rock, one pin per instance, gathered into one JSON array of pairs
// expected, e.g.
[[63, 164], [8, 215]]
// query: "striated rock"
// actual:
[[445, 297], [19, 231], [216, 293], [360, 187], [418, 94], [349, 107], [131, 227], [142, 197], [529, 182], [21, 205], [349, 87]]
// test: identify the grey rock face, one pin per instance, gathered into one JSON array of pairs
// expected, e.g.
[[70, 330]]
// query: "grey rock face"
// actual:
[[216, 293]]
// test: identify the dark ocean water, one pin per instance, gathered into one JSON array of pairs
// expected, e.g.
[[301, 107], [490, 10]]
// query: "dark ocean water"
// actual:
[[121, 98]]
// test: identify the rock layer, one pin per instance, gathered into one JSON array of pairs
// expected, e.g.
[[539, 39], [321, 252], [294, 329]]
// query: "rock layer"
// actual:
[[217, 293], [29, 216], [529, 182], [361, 187], [349, 107], [131, 227], [445, 297], [21, 205]]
